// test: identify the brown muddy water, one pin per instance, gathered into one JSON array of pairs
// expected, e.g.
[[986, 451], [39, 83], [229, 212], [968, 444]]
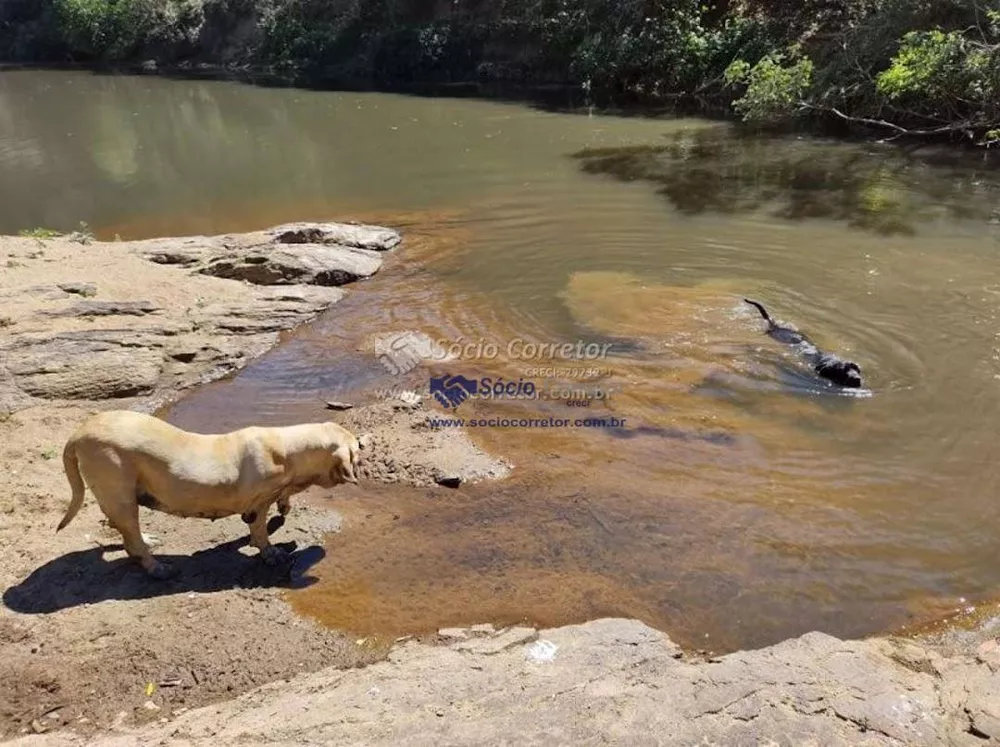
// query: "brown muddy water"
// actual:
[[741, 503]]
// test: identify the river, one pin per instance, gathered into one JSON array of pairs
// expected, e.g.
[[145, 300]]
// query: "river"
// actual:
[[742, 502]]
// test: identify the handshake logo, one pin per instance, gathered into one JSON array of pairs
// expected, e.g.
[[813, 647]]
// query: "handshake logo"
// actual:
[[401, 352], [451, 391]]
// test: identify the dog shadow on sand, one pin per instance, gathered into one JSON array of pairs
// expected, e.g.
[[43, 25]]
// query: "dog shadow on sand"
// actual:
[[85, 577]]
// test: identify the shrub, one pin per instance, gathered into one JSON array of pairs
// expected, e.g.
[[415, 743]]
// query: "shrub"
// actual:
[[105, 28], [929, 63], [774, 91]]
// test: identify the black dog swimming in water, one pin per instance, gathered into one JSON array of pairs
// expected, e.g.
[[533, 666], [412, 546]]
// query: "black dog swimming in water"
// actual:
[[827, 365]]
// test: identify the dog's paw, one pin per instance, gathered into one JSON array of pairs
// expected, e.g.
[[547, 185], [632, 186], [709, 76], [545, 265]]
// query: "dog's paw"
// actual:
[[161, 571], [152, 540], [273, 556], [275, 523]]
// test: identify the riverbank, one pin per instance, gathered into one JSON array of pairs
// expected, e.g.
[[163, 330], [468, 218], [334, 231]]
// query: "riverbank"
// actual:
[[923, 71], [616, 680], [87, 326], [96, 654]]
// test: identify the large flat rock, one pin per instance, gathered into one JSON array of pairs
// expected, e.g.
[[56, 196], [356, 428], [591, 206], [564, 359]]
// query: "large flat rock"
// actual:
[[111, 325], [608, 681], [313, 264], [326, 254]]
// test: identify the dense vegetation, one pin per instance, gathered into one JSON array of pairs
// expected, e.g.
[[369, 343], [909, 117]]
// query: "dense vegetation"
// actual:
[[905, 67]]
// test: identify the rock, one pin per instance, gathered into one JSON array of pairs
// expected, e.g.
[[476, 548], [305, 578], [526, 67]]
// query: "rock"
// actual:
[[453, 634], [259, 316], [407, 399], [312, 295], [332, 405], [313, 264], [323, 254], [41, 292], [608, 681], [108, 308], [80, 289], [448, 481], [984, 717], [185, 251], [183, 354], [541, 651], [916, 658], [483, 629], [500, 642], [375, 238], [988, 652], [65, 368]]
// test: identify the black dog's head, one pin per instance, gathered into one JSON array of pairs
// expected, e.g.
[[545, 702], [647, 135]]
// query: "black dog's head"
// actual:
[[841, 372]]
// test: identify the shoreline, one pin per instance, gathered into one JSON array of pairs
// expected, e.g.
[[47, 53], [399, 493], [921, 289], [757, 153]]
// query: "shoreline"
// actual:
[[83, 636], [556, 97], [89, 326]]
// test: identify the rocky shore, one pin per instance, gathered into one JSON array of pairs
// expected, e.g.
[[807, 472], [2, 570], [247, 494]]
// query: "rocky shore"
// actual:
[[95, 653], [609, 680], [104, 321], [87, 326]]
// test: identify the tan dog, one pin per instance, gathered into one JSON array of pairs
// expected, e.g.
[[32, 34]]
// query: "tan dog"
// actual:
[[130, 459]]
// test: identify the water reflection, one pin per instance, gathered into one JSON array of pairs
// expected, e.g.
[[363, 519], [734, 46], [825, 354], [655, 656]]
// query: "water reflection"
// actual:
[[702, 171]]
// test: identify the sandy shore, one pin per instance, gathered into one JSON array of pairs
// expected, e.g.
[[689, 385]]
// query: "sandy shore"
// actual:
[[93, 652], [130, 325]]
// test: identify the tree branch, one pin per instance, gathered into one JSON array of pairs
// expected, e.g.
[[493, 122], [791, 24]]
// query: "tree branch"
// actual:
[[966, 127]]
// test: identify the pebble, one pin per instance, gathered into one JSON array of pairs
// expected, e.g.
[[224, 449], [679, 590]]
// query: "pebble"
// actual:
[[333, 405]]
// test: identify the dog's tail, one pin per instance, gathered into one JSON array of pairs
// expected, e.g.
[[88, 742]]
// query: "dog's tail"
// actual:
[[761, 309], [72, 467]]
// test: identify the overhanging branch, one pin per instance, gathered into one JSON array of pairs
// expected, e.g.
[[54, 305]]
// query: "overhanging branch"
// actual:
[[964, 127]]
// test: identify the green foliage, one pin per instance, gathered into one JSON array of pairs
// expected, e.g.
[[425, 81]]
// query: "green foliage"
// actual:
[[921, 64], [774, 90], [105, 28], [116, 30], [39, 233], [945, 76], [929, 63], [630, 43]]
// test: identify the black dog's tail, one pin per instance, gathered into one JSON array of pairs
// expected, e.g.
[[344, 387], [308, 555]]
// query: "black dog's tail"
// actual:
[[761, 309]]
